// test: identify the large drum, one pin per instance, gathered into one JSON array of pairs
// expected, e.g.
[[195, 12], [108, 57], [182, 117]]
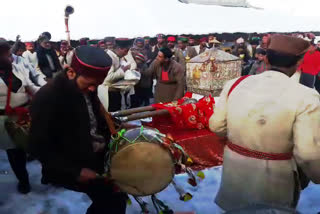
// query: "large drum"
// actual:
[[139, 163]]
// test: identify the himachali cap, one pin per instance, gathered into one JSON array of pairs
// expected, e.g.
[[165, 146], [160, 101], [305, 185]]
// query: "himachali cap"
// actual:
[[147, 37], [183, 39], [91, 62], [84, 41], [93, 42], [204, 39], [171, 39], [28, 43], [139, 39], [64, 44], [160, 36], [124, 42], [109, 39], [288, 45]]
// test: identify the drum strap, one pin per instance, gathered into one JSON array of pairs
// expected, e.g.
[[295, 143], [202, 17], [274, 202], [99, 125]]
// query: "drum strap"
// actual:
[[252, 153]]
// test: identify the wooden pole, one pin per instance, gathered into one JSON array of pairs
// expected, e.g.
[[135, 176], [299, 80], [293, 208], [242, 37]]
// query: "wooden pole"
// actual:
[[132, 111], [143, 115]]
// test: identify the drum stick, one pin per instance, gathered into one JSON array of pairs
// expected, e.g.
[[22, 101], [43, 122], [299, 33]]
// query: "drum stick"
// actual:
[[109, 121], [143, 115], [132, 111]]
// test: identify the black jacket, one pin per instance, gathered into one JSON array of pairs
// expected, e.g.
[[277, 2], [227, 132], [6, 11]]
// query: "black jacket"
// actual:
[[60, 132], [43, 61]]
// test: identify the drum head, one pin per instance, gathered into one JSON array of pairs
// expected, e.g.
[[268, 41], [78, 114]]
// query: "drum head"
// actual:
[[142, 168]]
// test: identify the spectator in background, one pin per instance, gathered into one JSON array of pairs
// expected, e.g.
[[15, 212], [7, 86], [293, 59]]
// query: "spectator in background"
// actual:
[[47, 57], [30, 55], [254, 42], [102, 45], [310, 67], [143, 90], [264, 42], [110, 43], [23, 67], [15, 78], [161, 42], [172, 45], [117, 71], [240, 50], [83, 41], [139, 47], [260, 64], [213, 42], [66, 54], [170, 77], [203, 46], [184, 52], [192, 41]]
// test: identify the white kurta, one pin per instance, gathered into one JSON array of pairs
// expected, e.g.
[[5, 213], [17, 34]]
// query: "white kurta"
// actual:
[[269, 113], [68, 60], [115, 73], [31, 58], [21, 64]]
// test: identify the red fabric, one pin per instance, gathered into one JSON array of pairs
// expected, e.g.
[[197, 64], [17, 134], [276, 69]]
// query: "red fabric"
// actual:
[[164, 75], [191, 116], [258, 155], [237, 83], [204, 147], [311, 63]]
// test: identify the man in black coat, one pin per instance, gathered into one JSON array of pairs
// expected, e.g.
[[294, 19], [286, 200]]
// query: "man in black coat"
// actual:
[[69, 135]]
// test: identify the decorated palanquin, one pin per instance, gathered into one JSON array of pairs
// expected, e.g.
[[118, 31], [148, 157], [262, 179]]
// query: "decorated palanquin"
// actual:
[[208, 72]]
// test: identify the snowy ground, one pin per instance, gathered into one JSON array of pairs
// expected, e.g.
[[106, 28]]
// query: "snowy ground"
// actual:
[[48, 200]]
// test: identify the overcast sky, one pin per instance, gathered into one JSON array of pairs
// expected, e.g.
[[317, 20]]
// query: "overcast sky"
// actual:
[[100, 18]]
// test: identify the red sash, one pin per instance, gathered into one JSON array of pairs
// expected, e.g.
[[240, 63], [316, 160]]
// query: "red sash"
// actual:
[[252, 153]]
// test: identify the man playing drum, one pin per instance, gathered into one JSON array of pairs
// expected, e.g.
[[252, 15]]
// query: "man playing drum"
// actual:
[[273, 126], [68, 132]]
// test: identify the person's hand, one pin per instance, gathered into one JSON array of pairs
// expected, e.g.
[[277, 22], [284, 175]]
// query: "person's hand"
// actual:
[[18, 38], [125, 68], [98, 147], [87, 175]]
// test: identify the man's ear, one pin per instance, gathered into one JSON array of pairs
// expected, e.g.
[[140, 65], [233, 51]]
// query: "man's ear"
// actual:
[[71, 74]]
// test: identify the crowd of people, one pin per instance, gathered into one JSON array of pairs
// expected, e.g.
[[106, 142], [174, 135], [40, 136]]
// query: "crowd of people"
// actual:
[[68, 134]]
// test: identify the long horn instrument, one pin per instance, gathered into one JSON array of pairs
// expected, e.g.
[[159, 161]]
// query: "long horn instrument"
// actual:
[[67, 12]]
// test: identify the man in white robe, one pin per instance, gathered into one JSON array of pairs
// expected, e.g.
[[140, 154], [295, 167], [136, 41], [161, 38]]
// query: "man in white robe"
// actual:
[[273, 126], [122, 61]]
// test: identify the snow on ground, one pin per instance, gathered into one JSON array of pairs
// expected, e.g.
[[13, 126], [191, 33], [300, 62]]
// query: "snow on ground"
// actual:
[[48, 200]]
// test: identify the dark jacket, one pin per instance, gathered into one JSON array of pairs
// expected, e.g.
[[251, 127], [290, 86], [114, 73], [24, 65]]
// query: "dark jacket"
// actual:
[[43, 61], [60, 132]]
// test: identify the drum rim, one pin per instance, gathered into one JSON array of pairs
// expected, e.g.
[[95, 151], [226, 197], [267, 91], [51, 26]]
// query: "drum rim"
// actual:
[[132, 144]]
